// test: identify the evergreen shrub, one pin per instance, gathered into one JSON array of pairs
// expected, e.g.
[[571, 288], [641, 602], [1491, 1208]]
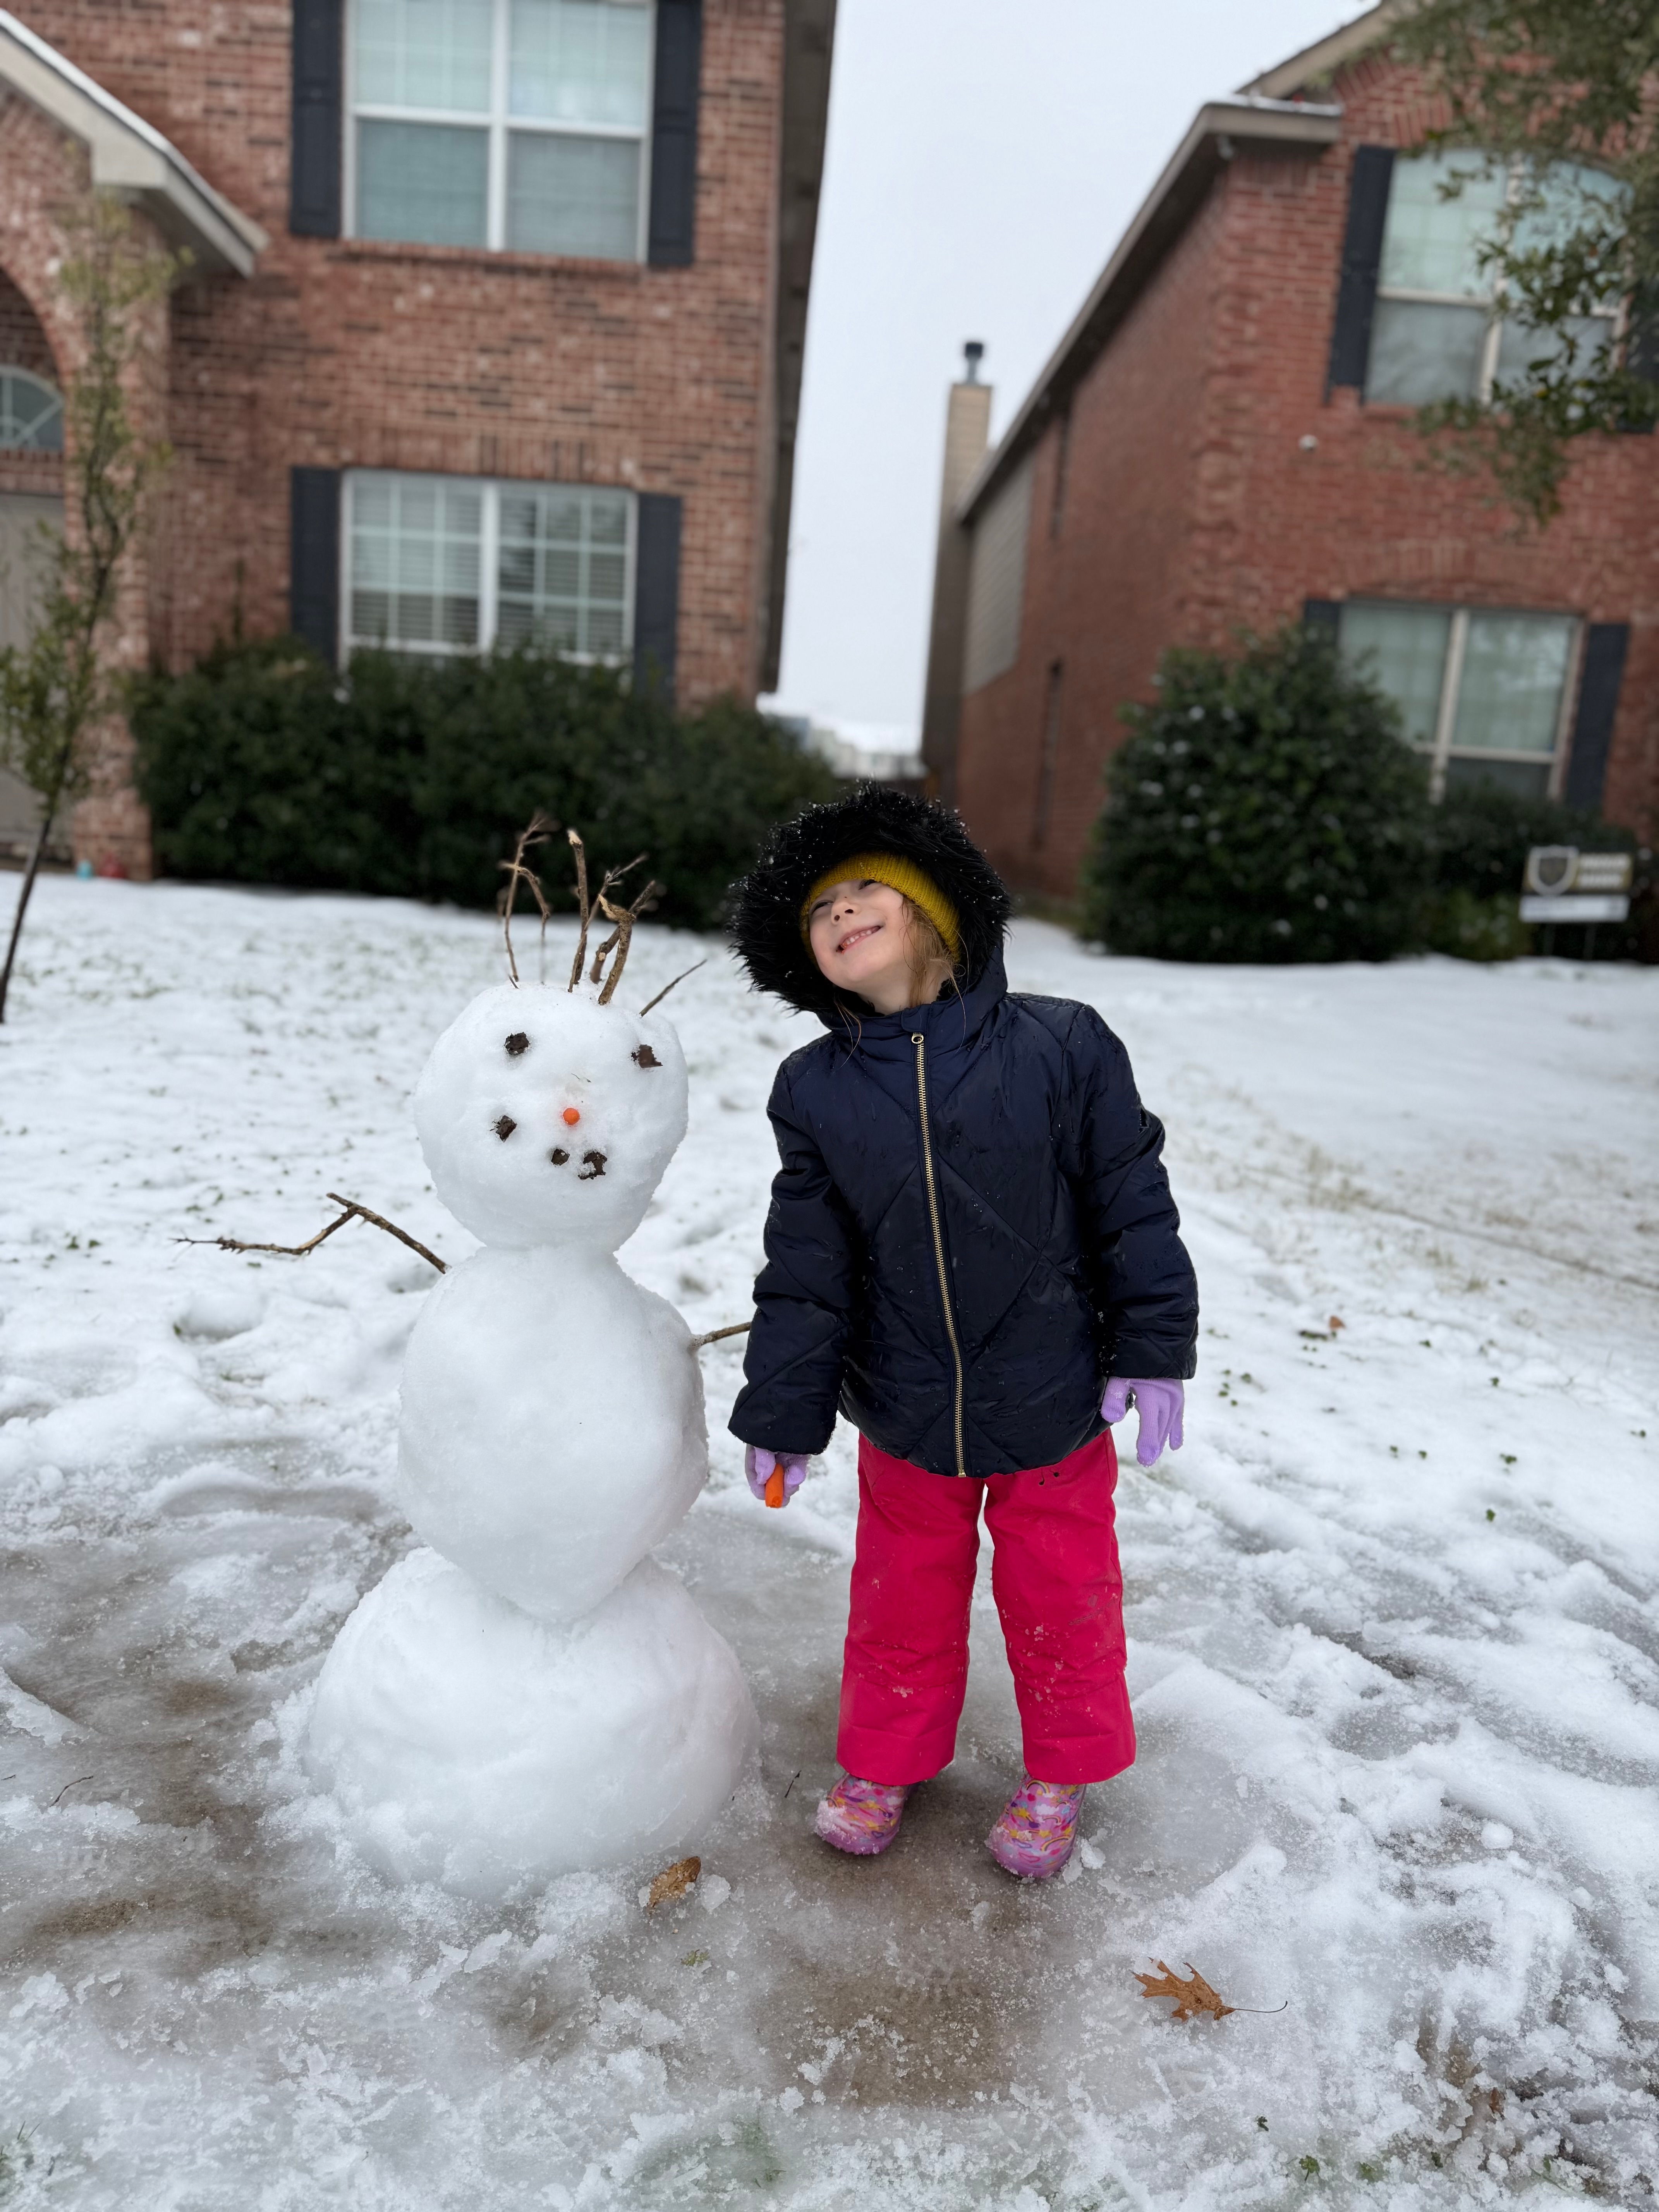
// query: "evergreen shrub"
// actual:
[[1265, 808], [262, 764]]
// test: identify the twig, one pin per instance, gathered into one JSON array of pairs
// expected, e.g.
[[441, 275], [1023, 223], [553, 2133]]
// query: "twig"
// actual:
[[624, 918], [667, 987], [714, 1336], [539, 830], [580, 851], [353, 1210], [68, 1786], [793, 1779]]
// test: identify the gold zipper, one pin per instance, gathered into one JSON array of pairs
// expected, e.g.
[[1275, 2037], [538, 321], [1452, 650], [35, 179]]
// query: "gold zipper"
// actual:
[[938, 1237]]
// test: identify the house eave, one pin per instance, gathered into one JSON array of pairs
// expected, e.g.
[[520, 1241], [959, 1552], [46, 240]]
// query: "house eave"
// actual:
[[1315, 65], [129, 157], [1246, 121]]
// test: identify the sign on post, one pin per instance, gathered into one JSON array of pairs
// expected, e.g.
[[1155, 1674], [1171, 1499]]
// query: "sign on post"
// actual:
[[1564, 885]]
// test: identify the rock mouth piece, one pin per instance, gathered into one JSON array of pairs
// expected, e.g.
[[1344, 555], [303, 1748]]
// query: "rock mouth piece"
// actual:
[[505, 1126], [592, 1164]]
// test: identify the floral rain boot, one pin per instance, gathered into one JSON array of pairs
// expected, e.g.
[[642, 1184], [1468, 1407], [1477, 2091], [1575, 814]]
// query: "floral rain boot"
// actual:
[[1037, 1832], [861, 1817]]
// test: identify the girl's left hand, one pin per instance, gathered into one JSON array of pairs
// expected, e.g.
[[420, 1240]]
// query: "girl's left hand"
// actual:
[[1160, 1403], [759, 1465]]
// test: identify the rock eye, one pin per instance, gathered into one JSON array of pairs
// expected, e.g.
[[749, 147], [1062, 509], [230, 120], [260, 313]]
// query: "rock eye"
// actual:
[[558, 1156], [646, 1058], [592, 1164], [517, 1042], [505, 1126]]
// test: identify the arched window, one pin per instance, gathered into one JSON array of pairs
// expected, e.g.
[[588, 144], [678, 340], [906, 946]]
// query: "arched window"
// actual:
[[31, 413]]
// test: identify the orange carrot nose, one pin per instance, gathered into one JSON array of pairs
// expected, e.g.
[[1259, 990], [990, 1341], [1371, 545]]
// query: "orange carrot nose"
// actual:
[[774, 1486], [572, 1116]]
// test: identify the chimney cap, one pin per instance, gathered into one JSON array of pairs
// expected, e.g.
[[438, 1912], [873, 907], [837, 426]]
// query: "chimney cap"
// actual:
[[972, 353]]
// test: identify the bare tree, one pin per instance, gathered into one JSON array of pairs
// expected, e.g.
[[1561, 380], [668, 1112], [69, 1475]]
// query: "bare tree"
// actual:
[[55, 689]]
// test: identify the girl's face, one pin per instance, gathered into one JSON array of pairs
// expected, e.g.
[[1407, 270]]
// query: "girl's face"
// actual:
[[861, 938]]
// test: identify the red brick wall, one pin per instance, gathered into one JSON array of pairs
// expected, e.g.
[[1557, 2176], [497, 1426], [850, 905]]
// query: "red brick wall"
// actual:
[[1198, 510], [343, 355]]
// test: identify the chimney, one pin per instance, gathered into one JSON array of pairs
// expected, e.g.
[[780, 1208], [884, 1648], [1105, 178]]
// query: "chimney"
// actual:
[[967, 434]]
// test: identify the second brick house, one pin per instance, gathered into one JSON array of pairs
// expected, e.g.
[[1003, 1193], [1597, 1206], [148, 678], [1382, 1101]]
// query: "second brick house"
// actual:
[[1223, 440]]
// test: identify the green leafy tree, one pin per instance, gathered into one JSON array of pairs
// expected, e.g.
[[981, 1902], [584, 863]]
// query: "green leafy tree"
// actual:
[[1543, 84], [57, 689], [1266, 808]]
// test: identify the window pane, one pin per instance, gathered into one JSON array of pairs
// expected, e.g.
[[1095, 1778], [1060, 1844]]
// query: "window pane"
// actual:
[[423, 53], [562, 585], [573, 196], [1403, 651], [422, 182], [1509, 775], [1519, 347], [1429, 243], [1513, 670], [31, 413], [581, 61], [1574, 197], [415, 561], [1421, 352]]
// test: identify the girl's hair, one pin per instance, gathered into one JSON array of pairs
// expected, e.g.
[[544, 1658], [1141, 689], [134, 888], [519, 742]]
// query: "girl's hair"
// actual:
[[927, 948]]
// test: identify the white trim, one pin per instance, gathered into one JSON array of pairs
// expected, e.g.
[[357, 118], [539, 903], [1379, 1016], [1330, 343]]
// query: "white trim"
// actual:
[[128, 155], [490, 490], [501, 123], [1451, 682]]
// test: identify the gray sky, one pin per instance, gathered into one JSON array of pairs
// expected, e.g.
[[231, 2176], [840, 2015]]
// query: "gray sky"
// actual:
[[984, 156]]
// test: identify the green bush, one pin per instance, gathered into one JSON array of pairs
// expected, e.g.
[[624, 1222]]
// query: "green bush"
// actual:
[[1481, 835], [1471, 928], [413, 777], [1266, 808]]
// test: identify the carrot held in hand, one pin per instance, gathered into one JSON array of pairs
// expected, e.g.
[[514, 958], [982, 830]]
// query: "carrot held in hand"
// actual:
[[774, 1477]]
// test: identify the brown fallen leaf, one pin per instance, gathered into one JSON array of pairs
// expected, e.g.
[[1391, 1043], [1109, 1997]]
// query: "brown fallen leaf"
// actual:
[[1193, 1997], [1335, 1323], [674, 1881]]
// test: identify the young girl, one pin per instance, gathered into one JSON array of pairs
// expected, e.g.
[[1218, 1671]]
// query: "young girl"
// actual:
[[972, 1252]]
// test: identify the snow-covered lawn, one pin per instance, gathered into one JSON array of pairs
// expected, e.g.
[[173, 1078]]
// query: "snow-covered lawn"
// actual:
[[1393, 1618]]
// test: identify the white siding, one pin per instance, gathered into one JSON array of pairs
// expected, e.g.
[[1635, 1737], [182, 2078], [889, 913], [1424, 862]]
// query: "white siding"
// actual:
[[996, 582]]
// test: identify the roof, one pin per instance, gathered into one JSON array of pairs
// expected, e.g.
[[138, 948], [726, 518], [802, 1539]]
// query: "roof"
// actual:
[[128, 155], [1316, 64], [1218, 129], [809, 43]]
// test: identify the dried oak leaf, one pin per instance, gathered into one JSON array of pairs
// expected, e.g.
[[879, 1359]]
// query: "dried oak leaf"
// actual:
[[1192, 1996], [674, 1881]]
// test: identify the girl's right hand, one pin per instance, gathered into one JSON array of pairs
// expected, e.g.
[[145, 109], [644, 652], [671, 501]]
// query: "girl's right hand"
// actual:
[[760, 1465]]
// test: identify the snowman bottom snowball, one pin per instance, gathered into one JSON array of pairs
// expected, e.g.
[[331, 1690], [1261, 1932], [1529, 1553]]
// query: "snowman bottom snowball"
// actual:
[[471, 1744]]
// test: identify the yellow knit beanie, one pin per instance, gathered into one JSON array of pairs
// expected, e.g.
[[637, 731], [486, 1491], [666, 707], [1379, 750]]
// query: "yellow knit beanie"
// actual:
[[900, 875]]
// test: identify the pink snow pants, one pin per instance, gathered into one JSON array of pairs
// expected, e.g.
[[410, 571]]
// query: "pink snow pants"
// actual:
[[1059, 1592]]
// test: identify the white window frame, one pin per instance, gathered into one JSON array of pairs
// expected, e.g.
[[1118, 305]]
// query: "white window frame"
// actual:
[[15, 368], [1492, 302], [1439, 749], [490, 490], [499, 122]]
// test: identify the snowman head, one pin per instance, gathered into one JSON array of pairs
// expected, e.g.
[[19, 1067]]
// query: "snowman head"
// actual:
[[547, 1118]]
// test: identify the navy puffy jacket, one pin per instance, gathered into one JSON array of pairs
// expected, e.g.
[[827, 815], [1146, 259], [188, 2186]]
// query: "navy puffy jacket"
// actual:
[[967, 1327]]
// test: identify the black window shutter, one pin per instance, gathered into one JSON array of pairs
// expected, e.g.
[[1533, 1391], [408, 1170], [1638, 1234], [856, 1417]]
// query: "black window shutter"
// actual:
[[313, 191], [1605, 645], [656, 593], [1362, 259], [674, 134], [1323, 616], [313, 558], [1641, 357]]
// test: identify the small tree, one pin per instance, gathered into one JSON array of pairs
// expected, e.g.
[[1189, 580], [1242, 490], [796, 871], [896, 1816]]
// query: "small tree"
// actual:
[[1266, 808], [56, 690]]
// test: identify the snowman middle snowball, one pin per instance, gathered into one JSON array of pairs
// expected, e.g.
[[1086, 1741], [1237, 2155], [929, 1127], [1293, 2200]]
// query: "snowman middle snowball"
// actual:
[[552, 1428]]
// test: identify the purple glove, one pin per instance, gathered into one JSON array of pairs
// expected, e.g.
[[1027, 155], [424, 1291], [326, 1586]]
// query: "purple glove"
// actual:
[[1159, 1403], [758, 1464]]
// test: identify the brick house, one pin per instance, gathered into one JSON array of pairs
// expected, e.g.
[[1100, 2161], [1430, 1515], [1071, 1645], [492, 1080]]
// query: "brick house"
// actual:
[[492, 327], [1223, 440]]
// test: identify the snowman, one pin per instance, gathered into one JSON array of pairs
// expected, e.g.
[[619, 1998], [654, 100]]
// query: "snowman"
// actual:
[[533, 1695]]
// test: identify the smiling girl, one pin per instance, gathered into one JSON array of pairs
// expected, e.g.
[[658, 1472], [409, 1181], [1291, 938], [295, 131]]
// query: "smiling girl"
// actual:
[[972, 1252]]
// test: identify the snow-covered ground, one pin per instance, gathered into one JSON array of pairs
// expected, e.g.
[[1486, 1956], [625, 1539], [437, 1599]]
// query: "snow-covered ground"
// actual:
[[1393, 1618]]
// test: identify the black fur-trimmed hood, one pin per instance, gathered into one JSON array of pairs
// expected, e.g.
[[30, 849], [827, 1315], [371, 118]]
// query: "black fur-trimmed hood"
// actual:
[[766, 903]]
